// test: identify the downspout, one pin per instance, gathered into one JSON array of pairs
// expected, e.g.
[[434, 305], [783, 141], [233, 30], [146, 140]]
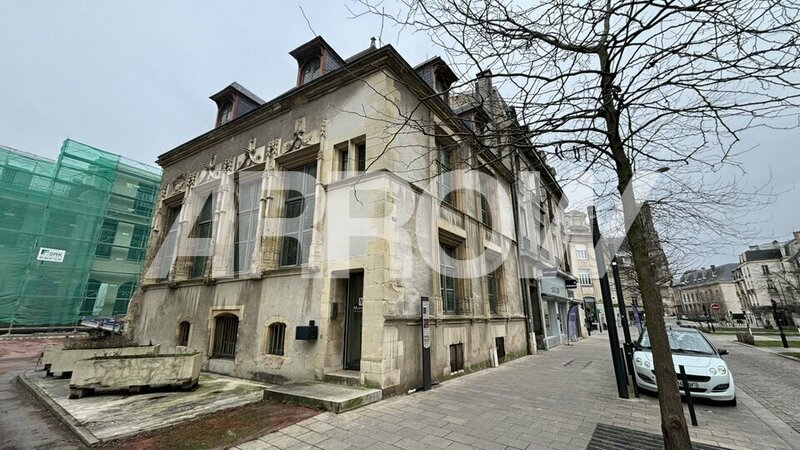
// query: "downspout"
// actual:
[[523, 282]]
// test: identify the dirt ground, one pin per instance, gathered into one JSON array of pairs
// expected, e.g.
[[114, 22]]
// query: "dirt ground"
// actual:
[[25, 424]]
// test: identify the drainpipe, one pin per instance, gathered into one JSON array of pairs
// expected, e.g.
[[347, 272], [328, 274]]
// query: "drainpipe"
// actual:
[[523, 284]]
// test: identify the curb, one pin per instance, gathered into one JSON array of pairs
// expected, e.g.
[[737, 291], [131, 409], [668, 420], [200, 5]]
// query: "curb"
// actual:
[[773, 422], [766, 351], [83, 434]]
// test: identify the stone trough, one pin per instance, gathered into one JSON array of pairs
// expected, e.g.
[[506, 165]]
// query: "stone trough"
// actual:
[[58, 360], [135, 373]]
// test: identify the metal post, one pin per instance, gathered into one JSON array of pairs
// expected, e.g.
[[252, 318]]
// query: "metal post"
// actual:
[[426, 344], [605, 288], [778, 322], [623, 313], [688, 393]]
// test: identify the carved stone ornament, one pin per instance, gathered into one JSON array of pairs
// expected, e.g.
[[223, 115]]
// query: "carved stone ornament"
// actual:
[[272, 147], [179, 183], [229, 164], [211, 164], [323, 128]]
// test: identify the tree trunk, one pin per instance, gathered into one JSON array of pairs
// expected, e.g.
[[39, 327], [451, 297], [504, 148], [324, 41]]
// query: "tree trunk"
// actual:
[[673, 421]]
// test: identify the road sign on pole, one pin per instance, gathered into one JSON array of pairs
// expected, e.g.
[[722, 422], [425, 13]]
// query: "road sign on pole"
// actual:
[[715, 307]]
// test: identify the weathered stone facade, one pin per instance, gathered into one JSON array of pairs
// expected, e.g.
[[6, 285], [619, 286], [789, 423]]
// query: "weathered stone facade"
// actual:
[[234, 310]]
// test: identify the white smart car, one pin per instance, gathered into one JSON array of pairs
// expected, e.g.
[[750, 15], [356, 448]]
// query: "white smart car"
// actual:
[[708, 375]]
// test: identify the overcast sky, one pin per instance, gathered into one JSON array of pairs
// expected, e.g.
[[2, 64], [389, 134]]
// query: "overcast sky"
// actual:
[[134, 78]]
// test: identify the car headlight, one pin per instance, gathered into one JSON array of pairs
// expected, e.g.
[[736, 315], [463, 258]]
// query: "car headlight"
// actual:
[[722, 370], [712, 371], [638, 361]]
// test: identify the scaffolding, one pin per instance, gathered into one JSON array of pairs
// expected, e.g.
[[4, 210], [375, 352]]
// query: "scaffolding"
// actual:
[[73, 234]]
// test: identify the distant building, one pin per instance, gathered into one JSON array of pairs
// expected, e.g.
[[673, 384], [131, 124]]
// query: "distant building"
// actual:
[[767, 273], [74, 232], [584, 264], [698, 289]]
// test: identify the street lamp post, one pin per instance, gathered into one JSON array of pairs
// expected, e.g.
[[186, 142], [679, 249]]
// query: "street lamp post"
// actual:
[[605, 289]]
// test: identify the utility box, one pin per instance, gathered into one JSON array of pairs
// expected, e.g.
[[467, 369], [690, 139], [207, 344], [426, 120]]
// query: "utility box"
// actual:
[[306, 333]]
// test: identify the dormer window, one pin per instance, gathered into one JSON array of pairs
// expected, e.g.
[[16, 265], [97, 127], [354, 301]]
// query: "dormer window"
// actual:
[[311, 70], [226, 113]]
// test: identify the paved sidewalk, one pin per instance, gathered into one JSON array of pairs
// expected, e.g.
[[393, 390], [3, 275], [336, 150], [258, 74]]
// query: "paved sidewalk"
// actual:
[[552, 400]]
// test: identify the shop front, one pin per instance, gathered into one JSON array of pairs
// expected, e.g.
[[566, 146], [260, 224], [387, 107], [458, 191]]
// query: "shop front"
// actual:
[[554, 311]]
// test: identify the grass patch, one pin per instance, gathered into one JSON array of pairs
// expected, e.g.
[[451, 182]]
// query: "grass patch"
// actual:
[[792, 354], [793, 344]]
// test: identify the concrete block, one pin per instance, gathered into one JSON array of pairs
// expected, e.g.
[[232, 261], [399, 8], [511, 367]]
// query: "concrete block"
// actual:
[[121, 372], [58, 360]]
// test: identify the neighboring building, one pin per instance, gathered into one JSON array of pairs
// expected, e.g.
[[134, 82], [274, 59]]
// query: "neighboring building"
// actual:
[[584, 264], [698, 289], [627, 271], [245, 268], [767, 273], [74, 233]]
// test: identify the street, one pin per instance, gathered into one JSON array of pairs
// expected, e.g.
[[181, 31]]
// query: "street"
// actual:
[[555, 400]]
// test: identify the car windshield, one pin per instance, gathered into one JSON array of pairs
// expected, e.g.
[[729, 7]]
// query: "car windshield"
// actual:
[[683, 341]]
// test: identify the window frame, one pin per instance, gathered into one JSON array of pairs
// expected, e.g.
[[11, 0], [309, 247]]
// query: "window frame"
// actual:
[[447, 272], [249, 213], [585, 277], [184, 333], [170, 241], [306, 201], [104, 248], [202, 244]]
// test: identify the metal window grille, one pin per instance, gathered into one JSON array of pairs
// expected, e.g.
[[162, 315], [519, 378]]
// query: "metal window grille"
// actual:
[[183, 333], [226, 327], [456, 357], [277, 333]]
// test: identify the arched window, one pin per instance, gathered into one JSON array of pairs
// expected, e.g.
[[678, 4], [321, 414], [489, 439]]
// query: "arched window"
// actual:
[[277, 335], [124, 294], [226, 113], [226, 327], [311, 70], [89, 298], [183, 333]]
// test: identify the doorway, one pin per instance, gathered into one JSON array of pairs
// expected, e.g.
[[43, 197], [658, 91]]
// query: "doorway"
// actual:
[[354, 305]]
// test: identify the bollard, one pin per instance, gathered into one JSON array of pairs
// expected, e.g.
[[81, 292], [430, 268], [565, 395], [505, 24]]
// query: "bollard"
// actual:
[[688, 393]]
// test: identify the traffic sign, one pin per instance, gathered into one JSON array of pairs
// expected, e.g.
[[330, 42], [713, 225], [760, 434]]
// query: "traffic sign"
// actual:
[[715, 307]]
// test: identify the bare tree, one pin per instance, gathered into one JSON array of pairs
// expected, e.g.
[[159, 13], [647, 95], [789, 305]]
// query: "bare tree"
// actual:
[[623, 86]]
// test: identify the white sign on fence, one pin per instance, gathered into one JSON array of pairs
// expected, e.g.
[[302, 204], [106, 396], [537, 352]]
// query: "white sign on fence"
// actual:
[[51, 254]]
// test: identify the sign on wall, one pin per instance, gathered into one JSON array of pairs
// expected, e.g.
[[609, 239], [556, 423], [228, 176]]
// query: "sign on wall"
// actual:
[[426, 324], [51, 254]]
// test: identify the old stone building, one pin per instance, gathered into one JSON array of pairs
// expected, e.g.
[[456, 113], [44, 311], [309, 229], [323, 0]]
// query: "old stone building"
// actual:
[[698, 289], [296, 239]]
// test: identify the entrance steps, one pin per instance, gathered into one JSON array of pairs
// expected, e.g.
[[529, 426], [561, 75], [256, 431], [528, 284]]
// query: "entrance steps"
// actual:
[[328, 396], [345, 377]]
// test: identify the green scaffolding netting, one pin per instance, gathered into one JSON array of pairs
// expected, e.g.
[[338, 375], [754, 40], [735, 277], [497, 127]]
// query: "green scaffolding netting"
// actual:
[[92, 209]]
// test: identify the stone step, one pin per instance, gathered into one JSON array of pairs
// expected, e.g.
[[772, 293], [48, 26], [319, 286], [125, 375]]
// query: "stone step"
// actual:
[[328, 396], [346, 377]]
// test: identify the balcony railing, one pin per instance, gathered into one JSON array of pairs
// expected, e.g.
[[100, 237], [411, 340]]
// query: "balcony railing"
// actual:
[[544, 253], [451, 215]]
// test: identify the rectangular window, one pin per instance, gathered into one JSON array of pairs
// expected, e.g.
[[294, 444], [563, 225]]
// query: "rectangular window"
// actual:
[[202, 232], [167, 251], [765, 269], [183, 333], [344, 161], [580, 252], [500, 345], [456, 357], [491, 284], [145, 199], [138, 241], [444, 179], [105, 244], [486, 212], [447, 272], [248, 195], [585, 278], [361, 157], [298, 209]]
